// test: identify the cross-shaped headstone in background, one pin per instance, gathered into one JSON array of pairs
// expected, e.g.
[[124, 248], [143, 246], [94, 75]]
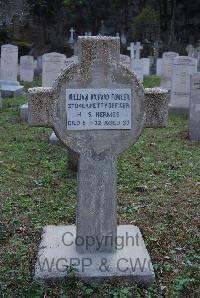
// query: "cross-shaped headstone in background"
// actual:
[[156, 46], [71, 39], [96, 108], [123, 39], [190, 50], [88, 33], [135, 50]]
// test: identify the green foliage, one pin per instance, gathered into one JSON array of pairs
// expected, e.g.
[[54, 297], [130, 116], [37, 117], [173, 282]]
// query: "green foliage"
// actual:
[[151, 81], [147, 21], [23, 47], [3, 37]]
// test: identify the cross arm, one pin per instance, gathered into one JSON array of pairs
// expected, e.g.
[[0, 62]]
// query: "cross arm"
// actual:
[[40, 106]]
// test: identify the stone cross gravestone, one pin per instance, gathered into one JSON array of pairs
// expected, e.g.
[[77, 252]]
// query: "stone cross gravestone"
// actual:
[[26, 68], [96, 108], [183, 68], [52, 65], [71, 39], [167, 62], [135, 50], [194, 122], [9, 62]]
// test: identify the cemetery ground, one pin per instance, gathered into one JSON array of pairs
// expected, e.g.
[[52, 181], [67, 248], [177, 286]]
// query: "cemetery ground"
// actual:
[[158, 190]]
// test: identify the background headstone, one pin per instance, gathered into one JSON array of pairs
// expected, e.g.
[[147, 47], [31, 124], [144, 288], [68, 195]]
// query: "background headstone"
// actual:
[[26, 68], [146, 66], [190, 50], [137, 67], [183, 68], [52, 65], [167, 63], [73, 59], [9, 62], [135, 49], [194, 122], [159, 67]]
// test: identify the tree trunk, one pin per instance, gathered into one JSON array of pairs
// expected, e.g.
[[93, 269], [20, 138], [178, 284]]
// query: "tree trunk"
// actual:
[[172, 37]]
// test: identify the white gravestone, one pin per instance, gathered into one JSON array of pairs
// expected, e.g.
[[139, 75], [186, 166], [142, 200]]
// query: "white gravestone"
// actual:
[[137, 67], [183, 68], [167, 62], [52, 65], [26, 68], [159, 67], [194, 122], [9, 62], [146, 66]]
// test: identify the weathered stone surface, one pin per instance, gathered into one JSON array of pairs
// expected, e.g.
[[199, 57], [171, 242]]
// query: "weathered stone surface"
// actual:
[[99, 70], [10, 88], [183, 68], [26, 68], [137, 67], [131, 261], [194, 122], [167, 63], [73, 59], [125, 60], [159, 67], [52, 65], [9, 62], [146, 66], [156, 107], [24, 112]]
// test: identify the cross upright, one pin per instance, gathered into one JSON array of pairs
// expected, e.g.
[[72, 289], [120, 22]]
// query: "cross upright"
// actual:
[[72, 31], [96, 108]]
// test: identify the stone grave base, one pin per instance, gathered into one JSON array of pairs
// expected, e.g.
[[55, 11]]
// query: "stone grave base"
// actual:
[[58, 256], [10, 88], [24, 112]]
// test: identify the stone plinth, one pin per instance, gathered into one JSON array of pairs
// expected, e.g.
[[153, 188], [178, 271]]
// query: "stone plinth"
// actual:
[[156, 107], [10, 88], [58, 256]]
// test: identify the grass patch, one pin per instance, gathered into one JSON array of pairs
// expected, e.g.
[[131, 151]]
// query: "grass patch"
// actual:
[[151, 81], [158, 190]]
